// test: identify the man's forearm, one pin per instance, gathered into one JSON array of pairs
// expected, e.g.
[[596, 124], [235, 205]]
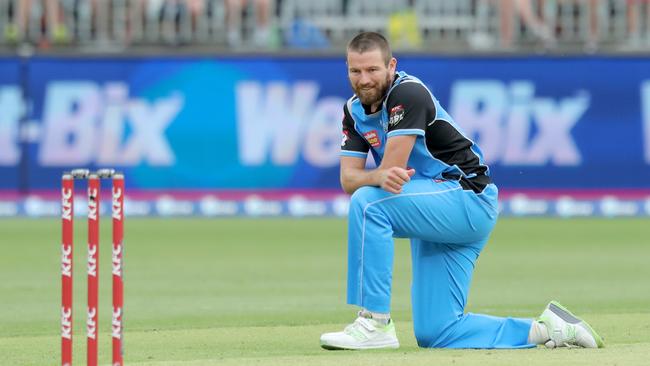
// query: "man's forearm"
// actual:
[[354, 178], [390, 175]]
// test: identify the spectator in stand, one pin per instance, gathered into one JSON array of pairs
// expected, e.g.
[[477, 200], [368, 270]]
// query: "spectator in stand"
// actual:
[[234, 20], [52, 17], [509, 9], [147, 12], [594, 29], [196, 8], [159, 19], [635, 13], [592, 10]]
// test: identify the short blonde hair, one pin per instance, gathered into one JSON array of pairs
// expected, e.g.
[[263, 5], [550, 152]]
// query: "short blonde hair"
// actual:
[[369, 41]]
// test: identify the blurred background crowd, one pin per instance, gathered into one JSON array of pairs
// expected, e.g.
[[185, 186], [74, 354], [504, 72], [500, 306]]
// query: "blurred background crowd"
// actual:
[[434, 25]]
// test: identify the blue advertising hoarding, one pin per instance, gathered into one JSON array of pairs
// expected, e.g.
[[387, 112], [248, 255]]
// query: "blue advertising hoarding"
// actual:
[[11, 111], [552, 123], [188, 123]]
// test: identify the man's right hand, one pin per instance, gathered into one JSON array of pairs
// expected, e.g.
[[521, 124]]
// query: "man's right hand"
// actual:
[[392, 179]]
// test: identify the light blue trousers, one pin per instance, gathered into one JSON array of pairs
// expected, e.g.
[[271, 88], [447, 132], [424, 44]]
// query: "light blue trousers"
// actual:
[[448, 227]]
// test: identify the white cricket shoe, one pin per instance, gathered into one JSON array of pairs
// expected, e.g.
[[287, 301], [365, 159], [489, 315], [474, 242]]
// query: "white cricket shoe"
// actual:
[[567, 330], [364, 333]]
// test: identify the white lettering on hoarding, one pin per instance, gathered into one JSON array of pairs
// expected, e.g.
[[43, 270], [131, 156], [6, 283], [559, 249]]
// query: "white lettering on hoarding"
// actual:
[[567, 206], [11, 109], [286, 118], [478, 106], [513, 127], [148, 141], [511, 124], [84, 123], [554, 121], [645, 111], [69, 123], [321, 138]]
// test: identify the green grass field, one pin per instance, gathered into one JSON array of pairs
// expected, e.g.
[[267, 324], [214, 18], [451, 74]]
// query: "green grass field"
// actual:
[[260, 292]]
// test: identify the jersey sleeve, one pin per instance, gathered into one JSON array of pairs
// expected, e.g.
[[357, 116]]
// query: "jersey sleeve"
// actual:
[[410, 108], [353, 144]]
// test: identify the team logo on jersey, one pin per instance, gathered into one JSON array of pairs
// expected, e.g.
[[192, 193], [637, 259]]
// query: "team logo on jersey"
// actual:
[[372, 138], [396, 115], [345, 138]]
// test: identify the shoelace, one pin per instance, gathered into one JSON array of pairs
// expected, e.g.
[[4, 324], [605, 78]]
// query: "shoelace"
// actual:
[[571, 336], [569, 340]]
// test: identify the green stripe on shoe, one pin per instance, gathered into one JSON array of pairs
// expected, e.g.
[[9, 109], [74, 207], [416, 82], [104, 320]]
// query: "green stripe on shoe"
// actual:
[[568, 316]]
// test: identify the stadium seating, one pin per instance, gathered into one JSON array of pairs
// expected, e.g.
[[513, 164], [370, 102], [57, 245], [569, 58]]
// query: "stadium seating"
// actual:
[[435, 25]]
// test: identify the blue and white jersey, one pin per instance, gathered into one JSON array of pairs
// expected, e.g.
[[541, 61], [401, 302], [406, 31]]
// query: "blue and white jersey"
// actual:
[[441, 151]]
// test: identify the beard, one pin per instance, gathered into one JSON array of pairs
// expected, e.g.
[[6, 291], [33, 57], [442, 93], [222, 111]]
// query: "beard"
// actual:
[[371, 94]]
